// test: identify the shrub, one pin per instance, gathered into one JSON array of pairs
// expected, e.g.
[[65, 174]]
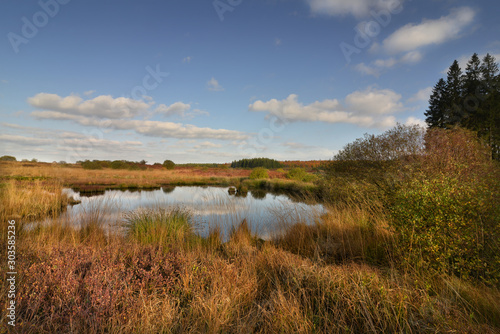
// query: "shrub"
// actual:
[[446, 216], [87, 164], [259, 173], [119, 164], [394, 144], [443, 225], [299, 174], [169, 164], [8, 158]]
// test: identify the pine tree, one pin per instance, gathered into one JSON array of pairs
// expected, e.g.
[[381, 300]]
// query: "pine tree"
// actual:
[[489, 118], [435, 113], [454, 111], [472, 92], [471, 100]]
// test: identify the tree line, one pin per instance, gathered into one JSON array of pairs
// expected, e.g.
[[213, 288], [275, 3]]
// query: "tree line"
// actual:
[[469, 99], [256, 162]]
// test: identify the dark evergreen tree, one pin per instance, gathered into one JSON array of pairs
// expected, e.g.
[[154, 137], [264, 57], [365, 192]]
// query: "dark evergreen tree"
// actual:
[[435, 113], [489, 113], [470, 100], [472, 92], [454, 111]]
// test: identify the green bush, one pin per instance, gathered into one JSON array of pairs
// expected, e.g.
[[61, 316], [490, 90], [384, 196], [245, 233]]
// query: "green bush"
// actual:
[[8, 158], [446, 214], [87, 164], [447, 225], [119, 164], [299, 174], [169, 164], [259, 173]]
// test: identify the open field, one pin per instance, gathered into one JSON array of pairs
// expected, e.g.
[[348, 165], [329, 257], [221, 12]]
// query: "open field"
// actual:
[[341, 274], [74, 176]]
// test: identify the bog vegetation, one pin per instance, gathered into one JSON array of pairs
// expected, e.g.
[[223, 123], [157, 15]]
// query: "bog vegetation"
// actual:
[[410, 244]]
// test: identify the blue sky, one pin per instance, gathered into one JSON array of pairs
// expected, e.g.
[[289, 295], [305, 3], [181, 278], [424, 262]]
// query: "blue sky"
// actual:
[[216, 81]]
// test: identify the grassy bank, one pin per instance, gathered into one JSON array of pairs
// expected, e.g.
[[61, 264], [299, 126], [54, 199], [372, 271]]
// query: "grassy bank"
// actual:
[[96, 181], [337, 275]]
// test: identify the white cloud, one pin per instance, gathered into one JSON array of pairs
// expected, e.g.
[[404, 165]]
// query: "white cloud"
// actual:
[[387, 63], [187, 59], [146, 128], [381, 64], [412, 57], [428, 32], [22, 140], [277, 42], [177, 108], [296, 146], [371, 108], [358, 8], [367, 70], [374, 101], [206, 145], [415, 121], [214, 85], [421, 95], [89, 92], [104, 106]]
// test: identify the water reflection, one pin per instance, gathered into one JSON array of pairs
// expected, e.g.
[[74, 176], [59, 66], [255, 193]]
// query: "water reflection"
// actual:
[[212, 207]]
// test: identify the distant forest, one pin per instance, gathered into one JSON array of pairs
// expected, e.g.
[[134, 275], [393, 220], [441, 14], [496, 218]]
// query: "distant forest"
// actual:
[[256, 162], [470, 100]]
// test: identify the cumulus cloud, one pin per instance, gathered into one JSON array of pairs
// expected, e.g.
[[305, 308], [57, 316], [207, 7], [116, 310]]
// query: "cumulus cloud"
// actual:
[[22, 140], [214, 86], [357, 8], [371, 108], [206, 145], [413, 36], [367, 70], [146, 128], [374, 101], [421, 95], [104, 106], [177, 108], [415, 121], [379, 65]]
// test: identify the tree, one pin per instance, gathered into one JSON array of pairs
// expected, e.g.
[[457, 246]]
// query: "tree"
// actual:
[[435, 113], [489, 113], [454, 111], [470, 100], [8, 158], [471, 89], [394, 144], [168, 164]]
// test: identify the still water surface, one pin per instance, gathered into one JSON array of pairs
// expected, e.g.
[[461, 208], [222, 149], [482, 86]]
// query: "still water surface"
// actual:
[[210, 207]]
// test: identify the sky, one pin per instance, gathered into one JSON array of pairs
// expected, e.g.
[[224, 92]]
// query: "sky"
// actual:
[[219, 80]]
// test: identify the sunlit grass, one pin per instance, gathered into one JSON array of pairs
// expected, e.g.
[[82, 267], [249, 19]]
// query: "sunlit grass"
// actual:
[[320, 272]]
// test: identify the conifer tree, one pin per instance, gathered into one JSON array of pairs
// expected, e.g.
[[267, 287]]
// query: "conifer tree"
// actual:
[[435, 113]]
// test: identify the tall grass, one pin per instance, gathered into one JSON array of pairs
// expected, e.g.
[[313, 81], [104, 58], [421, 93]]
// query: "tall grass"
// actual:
[[334, 275], [159, 225]]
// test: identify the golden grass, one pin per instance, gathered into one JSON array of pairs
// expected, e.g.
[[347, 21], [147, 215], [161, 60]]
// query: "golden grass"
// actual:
[[334, 276]]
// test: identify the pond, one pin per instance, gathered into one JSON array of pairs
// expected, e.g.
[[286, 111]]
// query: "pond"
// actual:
[[210, 207]]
